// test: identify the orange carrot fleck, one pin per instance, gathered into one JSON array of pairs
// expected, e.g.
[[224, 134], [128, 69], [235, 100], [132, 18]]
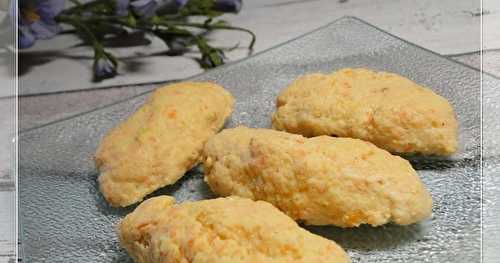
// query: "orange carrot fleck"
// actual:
[[172, 114]]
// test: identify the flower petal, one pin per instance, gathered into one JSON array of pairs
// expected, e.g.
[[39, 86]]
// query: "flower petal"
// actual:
[[122, 7], [48, 9], [177, 45], [103, 68], [169, 6], [25, 39], [145, 8], [44, 30], [181, 3], [228, 6]]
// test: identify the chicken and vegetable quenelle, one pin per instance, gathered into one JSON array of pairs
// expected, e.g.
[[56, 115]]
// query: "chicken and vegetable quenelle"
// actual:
[[386, 109], [161, 141], [319, 181], [223, 230]]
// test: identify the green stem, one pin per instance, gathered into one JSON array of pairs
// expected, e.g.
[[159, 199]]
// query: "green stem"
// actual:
[[114, 20], [210, 27], [79, 25], [167, 23], [92, 19]]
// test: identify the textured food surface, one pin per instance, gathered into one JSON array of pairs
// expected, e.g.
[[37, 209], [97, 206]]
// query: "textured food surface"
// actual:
[[386, 109], [229, 229], [321, 180], [161, 141]]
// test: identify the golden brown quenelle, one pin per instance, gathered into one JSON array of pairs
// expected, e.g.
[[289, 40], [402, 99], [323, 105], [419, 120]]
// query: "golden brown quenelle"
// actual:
[[322, 180], [161, 141], [223, 230], [386, 109]]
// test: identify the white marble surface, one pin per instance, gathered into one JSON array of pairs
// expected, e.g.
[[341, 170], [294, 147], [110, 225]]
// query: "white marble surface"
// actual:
[[447, 26]]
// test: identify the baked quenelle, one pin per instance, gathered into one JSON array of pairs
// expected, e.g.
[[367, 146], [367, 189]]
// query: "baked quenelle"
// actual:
[[386, 109], [223, 230], [320, 181], [161, 141]]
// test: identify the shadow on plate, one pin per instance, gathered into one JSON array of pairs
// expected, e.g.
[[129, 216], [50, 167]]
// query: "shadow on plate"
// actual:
[[368, 238], [190, 187], [122, 257], [420, 162]]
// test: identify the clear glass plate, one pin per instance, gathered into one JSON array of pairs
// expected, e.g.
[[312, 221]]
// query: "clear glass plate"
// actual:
[[64, 218]]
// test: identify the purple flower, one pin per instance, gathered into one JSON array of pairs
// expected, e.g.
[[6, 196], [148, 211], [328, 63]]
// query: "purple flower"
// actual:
[[213, 59], [104, 67], [122, 7], [177, 46], [181, 3], [26, 38], [228, 6], [37, 20], [148, 8], [145, 8]]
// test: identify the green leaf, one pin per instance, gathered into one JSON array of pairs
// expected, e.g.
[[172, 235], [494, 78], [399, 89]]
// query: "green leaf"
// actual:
[[131, 20], [111, 57], [216, 58], [220, 22], [200, 7], [208, 21]]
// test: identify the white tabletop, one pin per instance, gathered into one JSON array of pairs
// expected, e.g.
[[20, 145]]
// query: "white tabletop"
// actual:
[[449, 27]]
